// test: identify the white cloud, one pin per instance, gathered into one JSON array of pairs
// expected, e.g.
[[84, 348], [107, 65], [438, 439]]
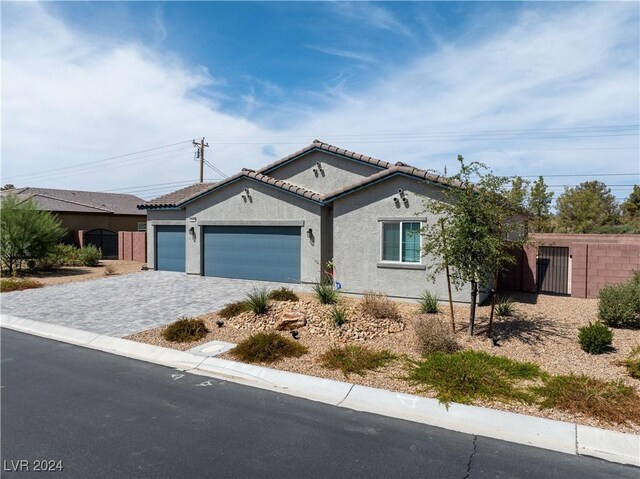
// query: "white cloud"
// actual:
[[68, 99]]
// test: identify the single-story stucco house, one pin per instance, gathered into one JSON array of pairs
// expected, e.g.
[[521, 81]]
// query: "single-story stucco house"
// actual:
[[285, 221], [90, 217]]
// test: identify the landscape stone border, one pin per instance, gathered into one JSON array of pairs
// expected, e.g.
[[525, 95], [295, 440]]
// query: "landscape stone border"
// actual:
[[549, 434]]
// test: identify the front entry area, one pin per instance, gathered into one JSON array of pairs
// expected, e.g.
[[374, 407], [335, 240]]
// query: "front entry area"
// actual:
[[267, 253]]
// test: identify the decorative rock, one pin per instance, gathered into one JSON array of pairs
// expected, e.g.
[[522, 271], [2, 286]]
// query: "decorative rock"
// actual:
[[290, 321]]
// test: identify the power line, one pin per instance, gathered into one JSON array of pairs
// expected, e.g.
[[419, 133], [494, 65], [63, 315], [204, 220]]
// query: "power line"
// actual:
[[99, 161]]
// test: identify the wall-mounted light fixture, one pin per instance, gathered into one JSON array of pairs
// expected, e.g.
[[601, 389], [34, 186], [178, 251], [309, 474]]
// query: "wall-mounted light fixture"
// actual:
[[309, 233], [192, 231]]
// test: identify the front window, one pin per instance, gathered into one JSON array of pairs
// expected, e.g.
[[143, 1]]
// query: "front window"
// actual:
[[401, 242]]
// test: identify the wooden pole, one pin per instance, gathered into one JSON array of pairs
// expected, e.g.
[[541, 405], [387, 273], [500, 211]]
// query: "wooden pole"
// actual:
[[494, 292], [446, 265]]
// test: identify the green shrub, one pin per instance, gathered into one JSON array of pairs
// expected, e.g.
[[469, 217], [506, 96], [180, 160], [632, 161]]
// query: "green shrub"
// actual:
[[355, 359], [325, 293], [468, 375], [12, 284], [595, 338], [89, 255], [258, 301], [379, 306], [233, 309], [267, 348], [632, 362], [338, 316], [283, 294], [505, 307], [636, 277], [619, 305], [59, 255], [610, 401], [185, 330], [428, 303], [434, 336]]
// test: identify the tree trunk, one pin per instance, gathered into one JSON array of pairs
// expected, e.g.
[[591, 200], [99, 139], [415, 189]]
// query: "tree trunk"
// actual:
[[472, 310]]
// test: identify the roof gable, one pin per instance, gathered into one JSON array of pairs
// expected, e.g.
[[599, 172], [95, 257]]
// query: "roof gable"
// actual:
[[318, 145]]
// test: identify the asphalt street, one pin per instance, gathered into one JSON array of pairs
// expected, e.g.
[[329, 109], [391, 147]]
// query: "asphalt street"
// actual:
[[99, 415]]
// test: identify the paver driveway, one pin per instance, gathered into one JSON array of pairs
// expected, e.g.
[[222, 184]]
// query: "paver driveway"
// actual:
[[122, 305]]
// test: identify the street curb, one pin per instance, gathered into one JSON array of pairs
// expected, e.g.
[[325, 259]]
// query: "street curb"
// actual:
[[558, 436]]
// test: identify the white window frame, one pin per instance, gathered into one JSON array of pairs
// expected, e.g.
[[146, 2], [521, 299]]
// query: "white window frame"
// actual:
[[398, 222]]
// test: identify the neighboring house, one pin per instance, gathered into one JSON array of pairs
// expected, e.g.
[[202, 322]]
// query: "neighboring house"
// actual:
[[89, 217], [285, 221]]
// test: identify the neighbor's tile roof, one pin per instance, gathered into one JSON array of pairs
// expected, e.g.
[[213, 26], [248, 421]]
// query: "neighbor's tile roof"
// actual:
[[320, 145], [75, 201]]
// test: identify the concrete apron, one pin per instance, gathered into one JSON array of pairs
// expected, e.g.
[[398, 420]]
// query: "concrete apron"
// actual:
[[533, 431]]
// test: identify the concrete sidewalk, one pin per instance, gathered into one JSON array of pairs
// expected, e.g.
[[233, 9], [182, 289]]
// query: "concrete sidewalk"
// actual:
[[560, 436]]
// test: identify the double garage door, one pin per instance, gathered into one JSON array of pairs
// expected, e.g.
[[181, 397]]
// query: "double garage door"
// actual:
[[268, 253]]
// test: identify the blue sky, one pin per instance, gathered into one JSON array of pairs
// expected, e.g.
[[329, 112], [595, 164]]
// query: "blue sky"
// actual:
[[528, 88]]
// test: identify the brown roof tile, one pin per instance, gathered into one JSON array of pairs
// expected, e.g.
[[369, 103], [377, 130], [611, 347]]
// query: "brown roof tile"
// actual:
[[52, 199], [319, 145]]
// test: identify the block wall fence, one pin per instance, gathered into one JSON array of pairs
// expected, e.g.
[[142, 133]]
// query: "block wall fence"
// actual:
[[596, 261], [132, 246]]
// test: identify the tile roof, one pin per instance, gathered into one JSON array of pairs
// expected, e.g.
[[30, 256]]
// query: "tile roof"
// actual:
[[320, 145], [180, 197], [189, 193], [52, 199], [176, 197]]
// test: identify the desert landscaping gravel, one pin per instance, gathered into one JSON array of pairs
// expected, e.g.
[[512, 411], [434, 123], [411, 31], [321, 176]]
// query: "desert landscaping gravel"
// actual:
[[543, 330], [72, 274]]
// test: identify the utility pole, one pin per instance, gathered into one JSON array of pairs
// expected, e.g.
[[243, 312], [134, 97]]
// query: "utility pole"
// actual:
[[201, 146]]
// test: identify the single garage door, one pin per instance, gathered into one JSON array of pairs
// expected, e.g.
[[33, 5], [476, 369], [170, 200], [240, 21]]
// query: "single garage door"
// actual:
[[170, 247], [269, 253]]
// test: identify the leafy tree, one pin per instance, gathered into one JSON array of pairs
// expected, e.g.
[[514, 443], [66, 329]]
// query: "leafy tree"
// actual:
[[477, 219], [539, 205], [631, 207], [25, 232], [519, 192], [8, 186], [586, 208]]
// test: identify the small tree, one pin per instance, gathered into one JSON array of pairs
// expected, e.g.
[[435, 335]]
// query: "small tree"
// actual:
[[631, 208], [25, 232], [519, 192], [539, 206], [477, 219]]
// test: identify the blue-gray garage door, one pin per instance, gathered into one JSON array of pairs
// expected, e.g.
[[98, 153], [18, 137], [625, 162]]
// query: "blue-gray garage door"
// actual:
[[268, 253], [170, 246]]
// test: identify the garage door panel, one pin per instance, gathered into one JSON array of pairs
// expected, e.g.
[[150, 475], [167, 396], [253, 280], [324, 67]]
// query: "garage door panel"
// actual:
[[269, 253], [170, 248]]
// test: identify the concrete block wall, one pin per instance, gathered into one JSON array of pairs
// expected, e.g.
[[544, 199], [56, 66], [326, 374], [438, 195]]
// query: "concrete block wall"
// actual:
[[596, 261], [132, 246]]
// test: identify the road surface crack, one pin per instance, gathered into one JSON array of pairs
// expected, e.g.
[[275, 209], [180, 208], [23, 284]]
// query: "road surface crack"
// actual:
[[473, 453]]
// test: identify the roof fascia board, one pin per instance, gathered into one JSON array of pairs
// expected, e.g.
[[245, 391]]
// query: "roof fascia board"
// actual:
[[315, 148], [244, 177], [384, 178]]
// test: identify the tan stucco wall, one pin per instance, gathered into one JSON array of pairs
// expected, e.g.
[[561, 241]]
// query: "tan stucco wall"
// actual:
[[86, 222]]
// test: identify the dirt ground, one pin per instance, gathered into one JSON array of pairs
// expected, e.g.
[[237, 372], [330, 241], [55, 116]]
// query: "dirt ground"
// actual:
[[543, 330], [70, 274]]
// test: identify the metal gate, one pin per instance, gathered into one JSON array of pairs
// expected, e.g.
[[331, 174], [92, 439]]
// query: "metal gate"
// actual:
[[553, 269], [106, 240]]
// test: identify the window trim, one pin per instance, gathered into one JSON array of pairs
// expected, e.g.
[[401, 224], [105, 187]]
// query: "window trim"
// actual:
[[381, 252]]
